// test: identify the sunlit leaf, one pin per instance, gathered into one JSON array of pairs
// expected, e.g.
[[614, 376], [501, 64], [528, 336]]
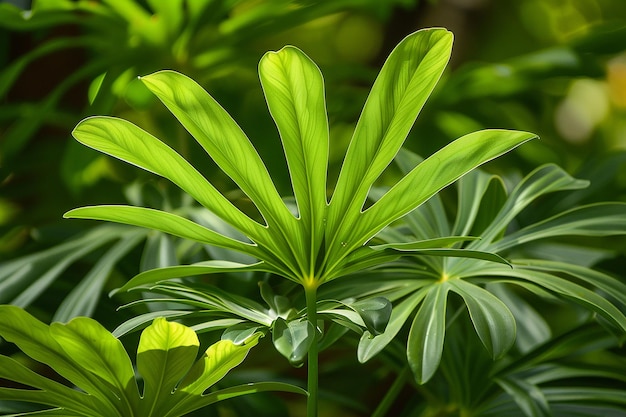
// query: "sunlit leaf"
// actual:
[[401, 89], [159, 220], [231, 150], [125, 141], [294, 91], [165, 354]]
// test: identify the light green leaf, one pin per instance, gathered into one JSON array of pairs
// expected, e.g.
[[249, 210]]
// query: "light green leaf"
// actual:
[[433, 174], [208, 267], [125, 141], [425, 343], [231, 150], [492, 320], [294, 91], [48, 392], [94, 349], [212, 366], [162, 221], [430, 219], [141, 320], [166, 352], [216, 361], [397, 96], [24, 279], [240, 333], [86, 354], [34, 339]]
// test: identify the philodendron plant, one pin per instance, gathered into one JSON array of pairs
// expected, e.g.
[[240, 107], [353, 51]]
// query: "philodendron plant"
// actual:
[[92, 359], [323, 240]]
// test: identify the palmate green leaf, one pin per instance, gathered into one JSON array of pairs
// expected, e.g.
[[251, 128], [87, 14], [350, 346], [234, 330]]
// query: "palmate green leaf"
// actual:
[[425, 342], [162, 221], [492, 320], [212, 366], [430, 221], [438, 171], [531, 328], [95, 361], [294, 91], [211, 299], [397, 96], [125, 141], [142, 320], [457, 253], [228, 146]]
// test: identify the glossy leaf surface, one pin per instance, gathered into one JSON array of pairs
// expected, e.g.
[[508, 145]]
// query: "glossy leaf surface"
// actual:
[[95, 361]]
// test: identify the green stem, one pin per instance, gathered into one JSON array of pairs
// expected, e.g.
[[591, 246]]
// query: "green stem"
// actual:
[[392, 393], [312, 370]]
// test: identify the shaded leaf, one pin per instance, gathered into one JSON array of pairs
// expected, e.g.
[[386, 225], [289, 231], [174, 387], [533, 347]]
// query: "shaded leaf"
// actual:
[[425, 343], [375, 313], [492, 320], [293, 339]]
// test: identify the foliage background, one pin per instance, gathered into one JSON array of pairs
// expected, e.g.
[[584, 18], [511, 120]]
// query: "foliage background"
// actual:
[[556, 68]]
